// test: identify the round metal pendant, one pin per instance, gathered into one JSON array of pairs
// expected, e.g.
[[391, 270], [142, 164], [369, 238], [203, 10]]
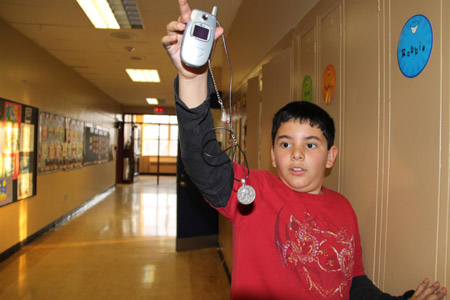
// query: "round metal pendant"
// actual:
[[246, 194]]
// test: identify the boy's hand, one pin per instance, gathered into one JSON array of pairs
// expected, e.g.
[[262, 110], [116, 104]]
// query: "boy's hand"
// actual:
[[429, 292], [172, 41]]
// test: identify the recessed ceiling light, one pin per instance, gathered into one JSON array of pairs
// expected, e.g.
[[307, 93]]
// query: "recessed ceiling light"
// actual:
[[152, 101], [143, 75]]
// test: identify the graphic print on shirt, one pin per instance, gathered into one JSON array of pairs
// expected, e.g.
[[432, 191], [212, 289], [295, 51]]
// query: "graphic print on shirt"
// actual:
[[322, 258]]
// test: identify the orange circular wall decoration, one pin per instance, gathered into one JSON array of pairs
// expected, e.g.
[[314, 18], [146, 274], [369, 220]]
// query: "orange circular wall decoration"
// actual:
[[328, 83]]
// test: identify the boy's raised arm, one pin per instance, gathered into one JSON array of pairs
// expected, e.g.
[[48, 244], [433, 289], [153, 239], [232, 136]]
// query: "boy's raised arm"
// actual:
[[192, 81], [192, 87]]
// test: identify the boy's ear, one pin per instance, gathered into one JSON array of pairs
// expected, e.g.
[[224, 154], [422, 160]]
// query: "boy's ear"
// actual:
[[332, 153], [274, 164]]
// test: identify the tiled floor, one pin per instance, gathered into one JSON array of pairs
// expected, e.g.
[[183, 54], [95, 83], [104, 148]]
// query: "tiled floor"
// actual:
[[121, 248]]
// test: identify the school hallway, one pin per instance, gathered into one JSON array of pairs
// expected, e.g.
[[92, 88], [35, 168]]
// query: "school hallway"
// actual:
[[121, 245]]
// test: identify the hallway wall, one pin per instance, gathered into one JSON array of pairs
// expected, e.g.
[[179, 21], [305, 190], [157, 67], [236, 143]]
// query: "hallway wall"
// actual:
[[392, 131], [395, 150], [31, 76]]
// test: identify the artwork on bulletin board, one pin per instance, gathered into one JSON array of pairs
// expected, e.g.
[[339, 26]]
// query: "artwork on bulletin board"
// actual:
[[51, 141], [26, 181], [27, 137], [18, 154], [414, 46], [328, 83], [11, 120], [6, 195], [307, 90], [96, 144], [73, 146], [25, 186]]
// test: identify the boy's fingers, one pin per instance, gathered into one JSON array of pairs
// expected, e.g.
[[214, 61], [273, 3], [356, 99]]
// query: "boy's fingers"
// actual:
[[422, 287], [185, 11], [442, 293], [175, 27], [219, 31], [437, 295], [169, 40], [431, 292]]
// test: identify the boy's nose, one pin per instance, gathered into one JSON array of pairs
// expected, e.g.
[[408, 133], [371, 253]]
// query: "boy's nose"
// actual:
[[297, 155]]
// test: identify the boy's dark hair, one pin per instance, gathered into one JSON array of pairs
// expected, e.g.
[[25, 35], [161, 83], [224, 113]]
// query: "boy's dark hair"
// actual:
[[304, 111]]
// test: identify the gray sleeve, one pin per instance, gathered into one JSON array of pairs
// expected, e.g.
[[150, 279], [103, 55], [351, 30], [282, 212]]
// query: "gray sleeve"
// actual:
[[212, 173]]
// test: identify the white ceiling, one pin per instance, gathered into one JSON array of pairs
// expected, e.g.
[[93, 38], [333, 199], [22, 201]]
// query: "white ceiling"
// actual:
[[62, 29]]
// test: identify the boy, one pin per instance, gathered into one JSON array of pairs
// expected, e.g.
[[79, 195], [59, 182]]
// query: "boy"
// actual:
[[298, 240]]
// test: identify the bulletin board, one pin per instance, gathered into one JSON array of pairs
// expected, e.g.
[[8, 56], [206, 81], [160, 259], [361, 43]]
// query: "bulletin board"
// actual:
[[96, 144], [66, 143], [61, 143], [18, 132]]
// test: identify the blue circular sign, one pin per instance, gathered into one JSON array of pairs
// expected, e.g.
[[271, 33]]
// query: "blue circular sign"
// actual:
[[414, 46]]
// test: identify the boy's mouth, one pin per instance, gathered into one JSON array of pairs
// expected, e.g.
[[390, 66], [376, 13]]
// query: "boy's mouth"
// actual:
[[297, 169]]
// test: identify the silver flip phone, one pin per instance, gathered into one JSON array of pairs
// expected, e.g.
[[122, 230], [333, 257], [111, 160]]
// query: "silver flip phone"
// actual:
[[198, 38]]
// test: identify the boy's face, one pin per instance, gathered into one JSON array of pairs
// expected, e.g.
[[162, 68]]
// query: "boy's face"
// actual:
[[300, 155]]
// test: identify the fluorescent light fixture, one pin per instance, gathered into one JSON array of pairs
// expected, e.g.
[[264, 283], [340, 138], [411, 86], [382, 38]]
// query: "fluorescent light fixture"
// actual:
[[112, 14], [99, 13], [152, 101], [143, 75]]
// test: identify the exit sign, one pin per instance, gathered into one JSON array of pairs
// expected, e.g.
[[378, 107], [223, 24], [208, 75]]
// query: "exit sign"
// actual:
[[158, 110]]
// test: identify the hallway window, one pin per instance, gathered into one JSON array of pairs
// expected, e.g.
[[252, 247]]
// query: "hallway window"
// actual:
[[160, 135]]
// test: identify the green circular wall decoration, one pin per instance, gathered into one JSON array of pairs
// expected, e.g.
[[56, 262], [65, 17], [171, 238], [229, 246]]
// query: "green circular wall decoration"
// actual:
[[307, 89]]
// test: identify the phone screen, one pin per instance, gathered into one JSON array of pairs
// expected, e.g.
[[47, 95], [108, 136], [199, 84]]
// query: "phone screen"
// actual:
[[201, 32]]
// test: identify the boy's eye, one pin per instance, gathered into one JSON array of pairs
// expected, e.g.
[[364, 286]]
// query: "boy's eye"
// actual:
[[311, 146], [284, 145]]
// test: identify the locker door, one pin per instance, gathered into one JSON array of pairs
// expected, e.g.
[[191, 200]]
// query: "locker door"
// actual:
[[276, 92], [308, 61], [253, 123], [413, 197], [331, 53], [362, 174]]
